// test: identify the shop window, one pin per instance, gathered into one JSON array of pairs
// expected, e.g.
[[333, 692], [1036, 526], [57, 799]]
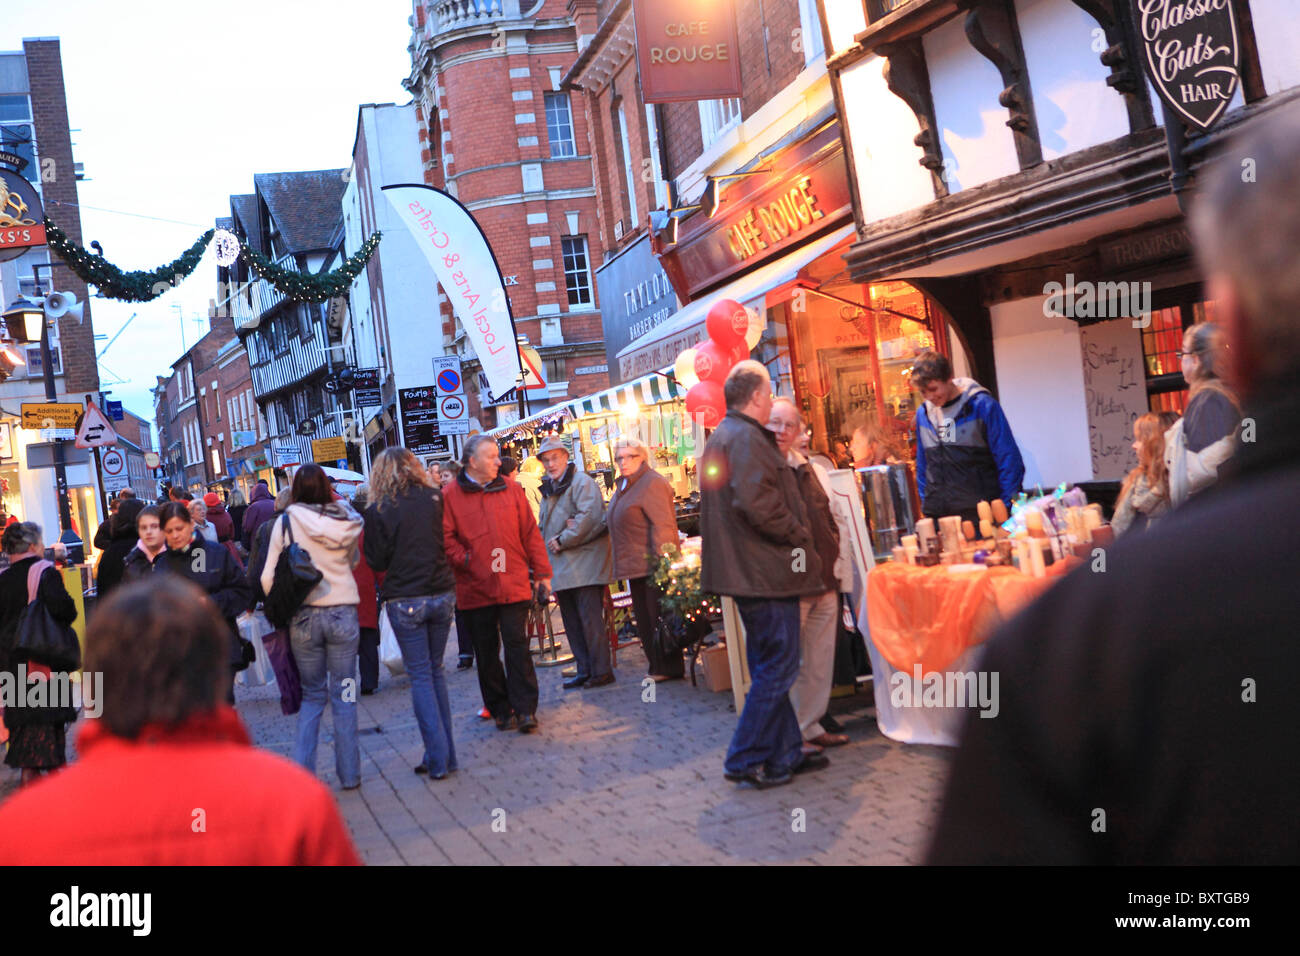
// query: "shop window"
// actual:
[[559, 126], [577, 272], [850, 353], [716, 118], [1174, 311]]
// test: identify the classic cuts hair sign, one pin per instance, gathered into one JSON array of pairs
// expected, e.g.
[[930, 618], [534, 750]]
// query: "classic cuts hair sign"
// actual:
[[1192, 54], [455, 246], [687, 50]]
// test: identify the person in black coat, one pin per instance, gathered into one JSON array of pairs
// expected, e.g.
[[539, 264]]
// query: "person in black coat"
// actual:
[[122, 540], [37, 735], [209, 566], [1145, 708]]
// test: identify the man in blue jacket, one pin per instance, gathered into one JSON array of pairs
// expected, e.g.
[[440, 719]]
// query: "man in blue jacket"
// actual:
[[965, 452]]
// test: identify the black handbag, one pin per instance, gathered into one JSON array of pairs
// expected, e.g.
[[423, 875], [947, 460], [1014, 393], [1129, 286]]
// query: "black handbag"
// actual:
[[295, 578], [39, 637]]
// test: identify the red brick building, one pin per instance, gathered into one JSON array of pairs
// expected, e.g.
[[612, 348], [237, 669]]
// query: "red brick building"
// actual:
[[191, 412], [500, 133]]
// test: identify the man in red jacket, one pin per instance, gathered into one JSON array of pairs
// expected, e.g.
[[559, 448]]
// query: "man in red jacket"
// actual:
[[493, 543], [167, 774]]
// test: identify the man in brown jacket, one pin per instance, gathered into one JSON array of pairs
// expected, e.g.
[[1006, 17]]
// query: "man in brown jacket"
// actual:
[[758, 549]]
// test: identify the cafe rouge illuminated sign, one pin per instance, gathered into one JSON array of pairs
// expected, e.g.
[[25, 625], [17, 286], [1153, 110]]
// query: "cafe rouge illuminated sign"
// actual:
[[687, 50], [805, 192]]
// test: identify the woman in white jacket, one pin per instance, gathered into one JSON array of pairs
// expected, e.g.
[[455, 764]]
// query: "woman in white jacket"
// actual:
[[324, 631]]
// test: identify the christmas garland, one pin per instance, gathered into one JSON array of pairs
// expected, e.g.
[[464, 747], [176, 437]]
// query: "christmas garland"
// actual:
[[305, 287], [112, 281]]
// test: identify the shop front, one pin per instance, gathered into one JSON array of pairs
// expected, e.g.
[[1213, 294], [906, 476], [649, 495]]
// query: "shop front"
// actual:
[[840, 347]]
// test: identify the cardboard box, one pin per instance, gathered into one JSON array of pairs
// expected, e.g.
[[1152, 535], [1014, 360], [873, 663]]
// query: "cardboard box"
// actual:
[[716, 669]]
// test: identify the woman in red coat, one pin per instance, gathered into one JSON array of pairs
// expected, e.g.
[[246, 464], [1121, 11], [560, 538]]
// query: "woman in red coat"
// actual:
[[493, 543], [368, 610], [167, 774]]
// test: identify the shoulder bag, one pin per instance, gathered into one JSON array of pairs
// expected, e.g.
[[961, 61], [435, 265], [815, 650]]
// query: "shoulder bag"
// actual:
[[39, 637], [295, 578]]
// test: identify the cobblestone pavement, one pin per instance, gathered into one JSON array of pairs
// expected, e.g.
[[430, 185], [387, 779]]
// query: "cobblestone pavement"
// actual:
[[611, 779]]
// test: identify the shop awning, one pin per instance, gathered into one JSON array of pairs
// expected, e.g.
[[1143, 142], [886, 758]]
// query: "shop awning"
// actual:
[[650, 389], [660, 347]]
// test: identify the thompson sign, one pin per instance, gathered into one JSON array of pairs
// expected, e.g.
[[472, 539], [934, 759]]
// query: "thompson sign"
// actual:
[[467, 270]]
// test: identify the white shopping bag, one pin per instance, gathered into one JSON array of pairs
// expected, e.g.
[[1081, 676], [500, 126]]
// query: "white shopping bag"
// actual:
[[252, 627], [389, 652]]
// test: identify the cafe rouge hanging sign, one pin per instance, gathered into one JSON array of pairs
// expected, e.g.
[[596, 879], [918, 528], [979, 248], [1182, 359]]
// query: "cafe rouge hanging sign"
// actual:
[[1192, 54], [687, 49]]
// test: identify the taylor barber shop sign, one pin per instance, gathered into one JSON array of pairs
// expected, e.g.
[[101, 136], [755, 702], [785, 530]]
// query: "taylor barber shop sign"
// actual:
[[1192, 54]]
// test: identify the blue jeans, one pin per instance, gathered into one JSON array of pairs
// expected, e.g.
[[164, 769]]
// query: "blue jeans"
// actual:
[[768, 732], [324, 643], [421, 626]]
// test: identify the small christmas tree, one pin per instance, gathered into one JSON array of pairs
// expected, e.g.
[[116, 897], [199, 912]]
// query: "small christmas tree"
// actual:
[[685, 607]]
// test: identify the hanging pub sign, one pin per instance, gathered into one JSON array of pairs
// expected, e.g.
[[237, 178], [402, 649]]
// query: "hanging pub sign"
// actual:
[[21, 217], [1192, 55], [687, 50]]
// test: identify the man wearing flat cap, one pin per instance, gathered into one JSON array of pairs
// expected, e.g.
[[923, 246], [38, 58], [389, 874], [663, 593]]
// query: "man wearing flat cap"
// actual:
[[572, 518]]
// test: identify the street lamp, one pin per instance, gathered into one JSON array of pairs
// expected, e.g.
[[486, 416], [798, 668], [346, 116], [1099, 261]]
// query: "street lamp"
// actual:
[[26, 321]]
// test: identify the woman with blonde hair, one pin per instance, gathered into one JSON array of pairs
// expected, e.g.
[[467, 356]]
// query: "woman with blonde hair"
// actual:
[[404, 540], [1144, 496], [642, 518], [1198, 445]]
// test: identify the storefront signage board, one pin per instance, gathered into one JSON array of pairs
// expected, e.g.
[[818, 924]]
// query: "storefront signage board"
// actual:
[[637, 296], [687, 50], [419, 411], [763, 217], [1192, 55], [366, 388], [21, 216], [329, 449]]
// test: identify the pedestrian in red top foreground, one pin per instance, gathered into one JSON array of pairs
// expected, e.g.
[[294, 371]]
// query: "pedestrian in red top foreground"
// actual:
[[492, 543], [167, 775]]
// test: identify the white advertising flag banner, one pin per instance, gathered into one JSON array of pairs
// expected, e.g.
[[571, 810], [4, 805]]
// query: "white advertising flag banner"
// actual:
[[467, 270]]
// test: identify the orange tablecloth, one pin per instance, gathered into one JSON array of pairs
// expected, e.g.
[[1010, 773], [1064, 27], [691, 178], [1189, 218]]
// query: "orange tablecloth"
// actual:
[[930, 616]]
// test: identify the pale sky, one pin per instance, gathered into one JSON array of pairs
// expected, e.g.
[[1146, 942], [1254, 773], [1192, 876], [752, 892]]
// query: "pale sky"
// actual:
[[175, 104]]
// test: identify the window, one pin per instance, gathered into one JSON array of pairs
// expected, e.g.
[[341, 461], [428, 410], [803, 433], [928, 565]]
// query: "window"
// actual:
[[216, 461], [577, 275], [556, 370], [185, 383], [216, 400], [810, 31], [34, 367], [16, 134], [559, 126], [280, 334], [716, 117], [305, 318], [627, 169], [652, 131], [1173, 312]]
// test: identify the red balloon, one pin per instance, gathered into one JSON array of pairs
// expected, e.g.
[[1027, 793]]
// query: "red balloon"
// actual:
[[713, 362], [740, 352], [705, 403], [727, 322]]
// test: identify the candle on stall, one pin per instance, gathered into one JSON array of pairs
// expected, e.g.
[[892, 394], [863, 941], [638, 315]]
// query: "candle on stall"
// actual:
[[909, 541], [900, 555], [1092, 516], [950, 532], [968, 529], [1022, 554], [1037, 566], [984, 511], [924, 532], [1034, 524], [999, 509], [986, 527]]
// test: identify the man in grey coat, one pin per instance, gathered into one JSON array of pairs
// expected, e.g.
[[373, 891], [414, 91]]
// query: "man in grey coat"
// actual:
[[572, 518]]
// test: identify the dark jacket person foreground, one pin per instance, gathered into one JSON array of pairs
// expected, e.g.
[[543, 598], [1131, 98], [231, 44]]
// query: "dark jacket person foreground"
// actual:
[[752, 517], [1147, 713]]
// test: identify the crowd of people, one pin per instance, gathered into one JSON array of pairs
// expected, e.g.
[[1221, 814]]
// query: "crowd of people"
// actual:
[[471, 545]]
